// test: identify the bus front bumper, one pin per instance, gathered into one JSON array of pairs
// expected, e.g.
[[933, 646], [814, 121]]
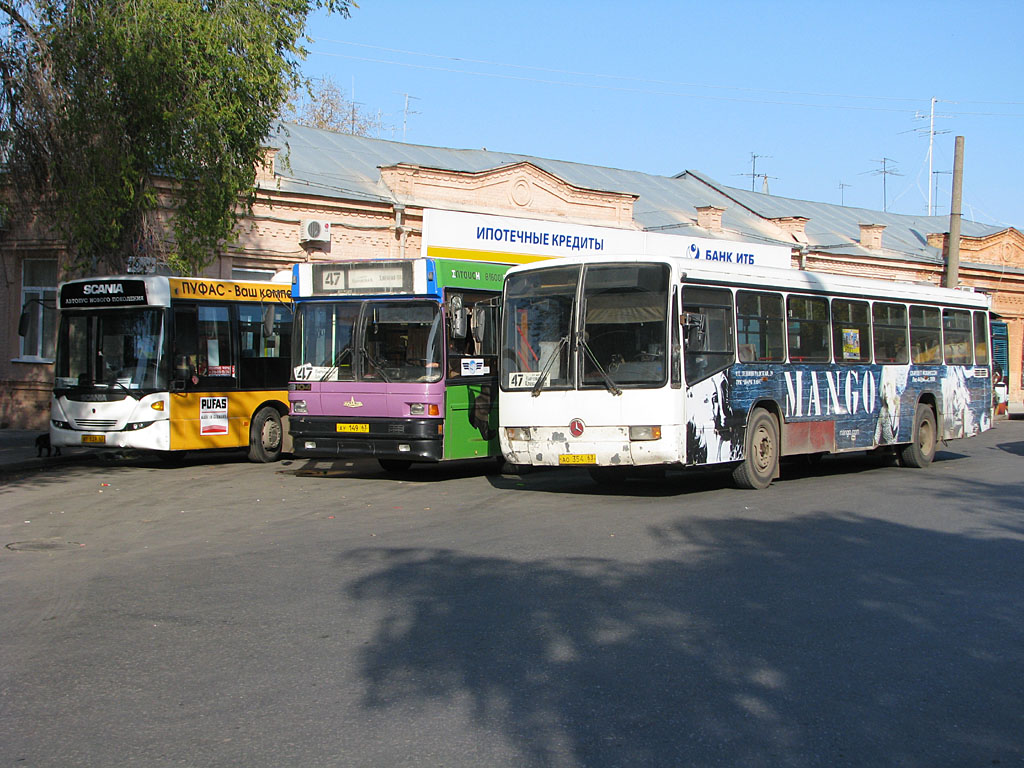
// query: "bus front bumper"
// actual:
[[408, 439]]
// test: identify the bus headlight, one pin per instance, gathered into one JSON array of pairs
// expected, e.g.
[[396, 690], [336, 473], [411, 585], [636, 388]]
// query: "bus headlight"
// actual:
[[299, 406], [645, 433], [61, 424], [424, 409], [157, 405], [517, 433], [137, 425]]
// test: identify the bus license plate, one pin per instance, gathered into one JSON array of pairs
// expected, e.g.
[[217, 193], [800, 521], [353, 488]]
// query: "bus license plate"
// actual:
[[352, 427], [577, 458], [94, 439]]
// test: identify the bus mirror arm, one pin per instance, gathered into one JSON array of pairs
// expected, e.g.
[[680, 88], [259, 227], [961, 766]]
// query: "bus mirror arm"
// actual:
[[23, 323]]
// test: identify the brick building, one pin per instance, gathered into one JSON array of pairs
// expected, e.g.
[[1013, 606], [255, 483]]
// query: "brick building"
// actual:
[[373, 194]]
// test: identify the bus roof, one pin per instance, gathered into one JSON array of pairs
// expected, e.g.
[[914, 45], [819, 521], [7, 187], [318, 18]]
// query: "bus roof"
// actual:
[[790, 280]]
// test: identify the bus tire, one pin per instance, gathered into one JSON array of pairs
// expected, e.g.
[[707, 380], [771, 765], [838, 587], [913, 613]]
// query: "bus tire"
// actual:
[[920, 451], [265, 436], [760, 463], [394, 465]]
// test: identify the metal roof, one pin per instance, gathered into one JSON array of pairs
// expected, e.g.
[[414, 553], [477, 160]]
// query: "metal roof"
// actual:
[[330, 164]]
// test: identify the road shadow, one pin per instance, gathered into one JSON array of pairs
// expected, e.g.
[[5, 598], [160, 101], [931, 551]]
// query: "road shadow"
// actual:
[[832, 640], [682, 481], [366, 469]]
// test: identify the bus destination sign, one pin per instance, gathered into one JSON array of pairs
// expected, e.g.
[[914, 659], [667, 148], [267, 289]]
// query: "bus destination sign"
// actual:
[[372, 277]]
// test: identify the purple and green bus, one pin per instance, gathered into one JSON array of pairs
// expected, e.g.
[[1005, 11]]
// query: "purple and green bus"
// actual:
[[395, 360]]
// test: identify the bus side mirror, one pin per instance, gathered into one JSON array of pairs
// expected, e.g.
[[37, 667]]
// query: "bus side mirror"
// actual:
[[479, 324], [694, 327], [23, 322], [268, 321], [459, 320]]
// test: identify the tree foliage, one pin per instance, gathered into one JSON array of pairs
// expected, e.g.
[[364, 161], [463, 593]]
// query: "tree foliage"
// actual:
[[322, 104], [106, 105]]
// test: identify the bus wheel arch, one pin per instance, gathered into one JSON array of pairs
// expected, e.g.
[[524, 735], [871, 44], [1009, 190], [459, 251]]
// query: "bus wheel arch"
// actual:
[[267, 433], [762, 442], [920, 451]]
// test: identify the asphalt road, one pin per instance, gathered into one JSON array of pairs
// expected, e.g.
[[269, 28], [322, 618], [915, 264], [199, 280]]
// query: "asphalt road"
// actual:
[[318, 614]]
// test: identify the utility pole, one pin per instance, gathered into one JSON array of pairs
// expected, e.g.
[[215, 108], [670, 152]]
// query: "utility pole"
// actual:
[[953, 258]]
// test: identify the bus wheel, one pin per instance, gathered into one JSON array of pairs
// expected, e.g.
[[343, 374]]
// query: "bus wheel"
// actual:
[[265, 436], [921, 450], [394, 465], [761, 453]]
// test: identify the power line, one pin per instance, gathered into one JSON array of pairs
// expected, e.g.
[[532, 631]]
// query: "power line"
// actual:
[[627, 78]]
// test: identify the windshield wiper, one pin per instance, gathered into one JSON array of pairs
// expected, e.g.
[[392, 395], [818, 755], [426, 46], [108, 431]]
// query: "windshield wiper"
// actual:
[[535, 392], [612, 387], [373, 361], [337, 362], [114, 382]]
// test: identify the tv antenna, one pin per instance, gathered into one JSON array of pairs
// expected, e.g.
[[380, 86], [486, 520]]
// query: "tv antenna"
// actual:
[[406, 112], [931, 142], [884, 171], [754, 175], [935, 176], [842, 195]]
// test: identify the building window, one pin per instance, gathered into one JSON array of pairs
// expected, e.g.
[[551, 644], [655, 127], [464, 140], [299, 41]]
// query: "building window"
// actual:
[[39, 305]]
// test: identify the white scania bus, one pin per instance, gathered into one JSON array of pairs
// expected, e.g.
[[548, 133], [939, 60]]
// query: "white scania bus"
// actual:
[[613, 363]]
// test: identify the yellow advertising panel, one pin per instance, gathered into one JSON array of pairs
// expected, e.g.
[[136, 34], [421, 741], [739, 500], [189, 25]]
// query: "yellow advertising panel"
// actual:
[[216, 419], [227, 290]]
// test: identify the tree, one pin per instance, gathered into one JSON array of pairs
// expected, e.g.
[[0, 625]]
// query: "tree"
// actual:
[[136, 125], [322, 104]]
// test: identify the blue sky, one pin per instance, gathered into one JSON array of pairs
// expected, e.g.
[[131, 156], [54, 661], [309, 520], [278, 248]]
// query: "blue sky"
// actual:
[[821, 91]]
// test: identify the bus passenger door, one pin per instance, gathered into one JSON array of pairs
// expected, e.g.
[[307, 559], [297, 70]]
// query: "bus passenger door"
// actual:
[[471, 379]]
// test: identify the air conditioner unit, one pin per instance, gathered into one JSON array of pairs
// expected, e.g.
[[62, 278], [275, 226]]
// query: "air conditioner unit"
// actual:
[[314, 231]]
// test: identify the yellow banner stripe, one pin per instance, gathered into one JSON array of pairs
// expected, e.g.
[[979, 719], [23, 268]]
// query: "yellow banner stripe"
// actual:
[[496, 257]]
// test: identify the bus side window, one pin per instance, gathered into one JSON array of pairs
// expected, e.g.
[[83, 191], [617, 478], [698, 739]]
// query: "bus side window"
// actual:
[[186, 346], [707, 321], [851, 331], [808, 332], [216, 356], [956, 334], [925, 335], [760, 327], [889, 323], [264, 358], [981, 338]]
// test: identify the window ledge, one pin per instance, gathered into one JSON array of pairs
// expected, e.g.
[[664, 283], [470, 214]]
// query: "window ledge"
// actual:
[[33, 360]]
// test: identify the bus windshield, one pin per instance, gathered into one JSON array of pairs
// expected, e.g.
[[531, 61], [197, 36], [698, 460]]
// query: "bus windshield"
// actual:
[[622, 333], [538, 313], [368, 341], [114, 349]]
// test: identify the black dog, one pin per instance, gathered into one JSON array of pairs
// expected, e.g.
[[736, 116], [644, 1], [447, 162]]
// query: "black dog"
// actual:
[[43, 444]]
